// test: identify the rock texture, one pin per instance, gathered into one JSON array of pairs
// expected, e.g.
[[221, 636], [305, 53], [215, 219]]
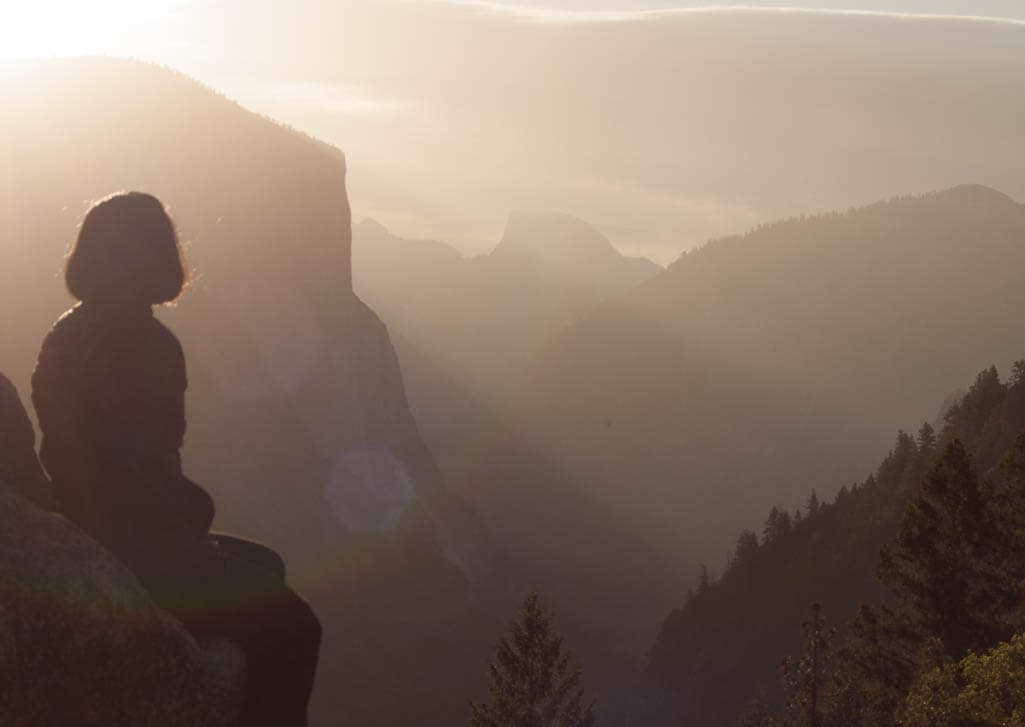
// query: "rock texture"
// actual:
[[82, 643], [18, 463]]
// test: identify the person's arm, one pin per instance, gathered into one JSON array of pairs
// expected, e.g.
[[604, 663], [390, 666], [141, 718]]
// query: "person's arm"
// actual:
[[196, 506]]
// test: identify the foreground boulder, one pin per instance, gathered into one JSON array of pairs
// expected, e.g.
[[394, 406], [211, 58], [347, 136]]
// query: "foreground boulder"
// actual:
[[19, 466], [81, 643]]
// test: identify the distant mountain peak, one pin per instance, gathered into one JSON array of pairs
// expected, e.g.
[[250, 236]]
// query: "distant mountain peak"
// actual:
[[979, 194], [553, 237], [370, 225]]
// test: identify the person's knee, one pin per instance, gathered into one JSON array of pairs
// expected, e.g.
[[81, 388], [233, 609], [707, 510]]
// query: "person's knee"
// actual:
[[295, 620], [251, 552]]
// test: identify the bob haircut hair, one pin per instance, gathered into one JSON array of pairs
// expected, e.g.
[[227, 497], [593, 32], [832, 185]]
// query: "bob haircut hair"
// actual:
[[127, 251]]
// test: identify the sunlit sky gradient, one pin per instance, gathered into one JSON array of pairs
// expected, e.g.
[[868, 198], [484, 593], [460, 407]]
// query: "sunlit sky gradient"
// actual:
[[664, 128]]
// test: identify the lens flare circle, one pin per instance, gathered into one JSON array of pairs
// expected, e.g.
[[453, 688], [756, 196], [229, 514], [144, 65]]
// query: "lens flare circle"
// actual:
[[369, 490]]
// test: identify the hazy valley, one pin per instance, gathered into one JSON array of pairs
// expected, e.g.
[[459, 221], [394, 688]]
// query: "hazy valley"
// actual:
[[678, 459]]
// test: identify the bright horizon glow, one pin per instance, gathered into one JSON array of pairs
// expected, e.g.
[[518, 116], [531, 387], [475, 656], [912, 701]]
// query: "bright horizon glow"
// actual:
[[562, 15], [53, 28], [665, 123], [140, 28]]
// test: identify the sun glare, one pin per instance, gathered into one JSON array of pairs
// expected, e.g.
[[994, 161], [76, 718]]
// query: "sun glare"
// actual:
[[46, 28]]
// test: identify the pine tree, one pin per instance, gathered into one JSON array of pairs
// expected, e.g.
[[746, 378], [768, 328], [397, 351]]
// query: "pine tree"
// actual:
[[898, 467], [953, 570], [704, 580], [1011, 492], [532, 684], [926, 439], [1018, 373], [777, 525], [1015, 403], [814, 505], [874, 670], [926, 442], [972, 412], [942, 566], [746, 550], [805, 676], [757, 714], [1007, 513]]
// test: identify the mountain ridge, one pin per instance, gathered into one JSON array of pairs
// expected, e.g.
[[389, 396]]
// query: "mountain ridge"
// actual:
[[559, 240], [546, 271], [829, 556], [756, 345]]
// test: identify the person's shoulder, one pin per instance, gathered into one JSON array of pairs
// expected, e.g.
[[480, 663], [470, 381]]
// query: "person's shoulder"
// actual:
[[57, 349], [160, 332], [164, 348], [66, 323], [68, 319]]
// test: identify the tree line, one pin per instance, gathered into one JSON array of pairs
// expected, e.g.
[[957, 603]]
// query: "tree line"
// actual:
[[945, 646]]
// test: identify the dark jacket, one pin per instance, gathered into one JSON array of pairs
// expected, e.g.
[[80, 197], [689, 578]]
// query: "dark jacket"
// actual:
[[109, 390]]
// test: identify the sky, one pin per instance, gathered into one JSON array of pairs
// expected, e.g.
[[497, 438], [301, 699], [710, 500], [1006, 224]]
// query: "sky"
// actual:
[[663, 123]]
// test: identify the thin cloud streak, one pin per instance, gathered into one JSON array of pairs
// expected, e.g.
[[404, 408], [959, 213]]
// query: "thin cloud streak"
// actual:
[[582, 17], [690, 125], [336, 98]]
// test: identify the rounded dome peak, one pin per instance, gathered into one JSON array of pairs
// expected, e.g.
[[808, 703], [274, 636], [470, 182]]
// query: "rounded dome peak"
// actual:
[[980, 194], [555, 236]]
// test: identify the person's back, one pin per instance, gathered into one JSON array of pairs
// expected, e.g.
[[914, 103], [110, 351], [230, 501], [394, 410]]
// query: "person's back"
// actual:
[[109, 389]]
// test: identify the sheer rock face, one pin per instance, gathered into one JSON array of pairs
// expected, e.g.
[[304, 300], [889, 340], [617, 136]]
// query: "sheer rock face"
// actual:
[[82, 642]]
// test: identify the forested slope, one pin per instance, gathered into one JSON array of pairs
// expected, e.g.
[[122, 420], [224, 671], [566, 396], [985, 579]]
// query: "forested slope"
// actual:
[[724, 646]]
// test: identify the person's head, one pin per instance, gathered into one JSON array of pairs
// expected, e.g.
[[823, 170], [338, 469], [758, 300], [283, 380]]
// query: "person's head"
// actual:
[[127, 252]]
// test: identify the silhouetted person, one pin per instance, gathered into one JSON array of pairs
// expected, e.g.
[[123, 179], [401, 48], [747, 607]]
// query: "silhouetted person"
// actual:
[[109, 389]]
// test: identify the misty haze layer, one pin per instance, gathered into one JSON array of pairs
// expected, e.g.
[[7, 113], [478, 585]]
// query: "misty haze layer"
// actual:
[[663, 130], [764, 365], [601, 424]]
